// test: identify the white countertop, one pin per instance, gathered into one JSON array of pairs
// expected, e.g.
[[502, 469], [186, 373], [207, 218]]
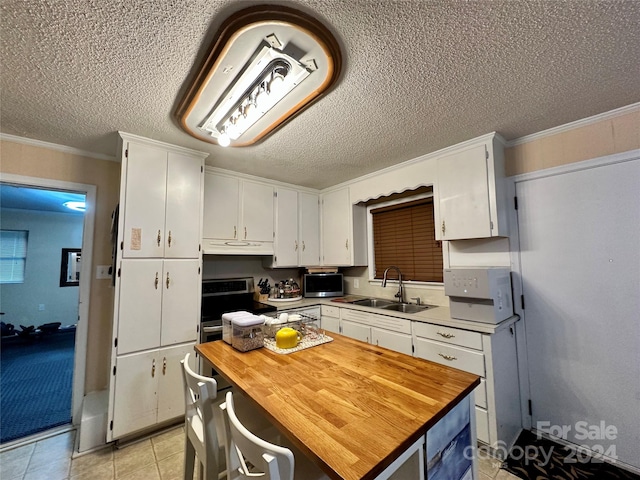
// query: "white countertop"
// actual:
[[435, 315]]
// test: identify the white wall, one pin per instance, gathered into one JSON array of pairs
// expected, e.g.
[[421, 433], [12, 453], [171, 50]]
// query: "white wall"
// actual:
[[49, 233]]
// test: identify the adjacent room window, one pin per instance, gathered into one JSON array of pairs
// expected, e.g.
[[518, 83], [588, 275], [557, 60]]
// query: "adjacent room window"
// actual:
[[404, 236], [13, 255]]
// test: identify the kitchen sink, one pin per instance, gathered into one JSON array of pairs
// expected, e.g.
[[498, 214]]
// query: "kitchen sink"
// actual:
[[405, 307], [373, 302]]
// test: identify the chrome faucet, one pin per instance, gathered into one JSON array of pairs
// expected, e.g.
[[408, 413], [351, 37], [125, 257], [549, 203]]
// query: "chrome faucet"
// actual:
[[398, 295]]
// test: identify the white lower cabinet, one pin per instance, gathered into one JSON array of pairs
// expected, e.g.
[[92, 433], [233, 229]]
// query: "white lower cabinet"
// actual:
[[398, 342], [330, 318], [493, 358], [148, 389], [356, 330], [388, 332]]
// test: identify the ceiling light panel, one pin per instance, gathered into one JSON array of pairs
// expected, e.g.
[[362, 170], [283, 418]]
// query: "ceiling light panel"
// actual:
[[266, 65]]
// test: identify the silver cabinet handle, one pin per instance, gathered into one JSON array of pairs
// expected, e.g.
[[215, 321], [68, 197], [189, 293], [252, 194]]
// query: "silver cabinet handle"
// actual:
[[235, 232], [168, 281], [303, 246], [446, 335], [443, 228], [157, 281], [159, 238], [164, 365], [296, 248], [447, 357], [169, 239], [245, 233], [153, 368]]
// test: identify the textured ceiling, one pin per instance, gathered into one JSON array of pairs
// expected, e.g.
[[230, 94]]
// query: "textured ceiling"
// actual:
[[418, 76]]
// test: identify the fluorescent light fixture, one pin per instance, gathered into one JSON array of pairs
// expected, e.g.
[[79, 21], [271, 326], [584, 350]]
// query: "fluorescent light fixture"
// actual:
[[78, 206], [266, 65], [269, 78]]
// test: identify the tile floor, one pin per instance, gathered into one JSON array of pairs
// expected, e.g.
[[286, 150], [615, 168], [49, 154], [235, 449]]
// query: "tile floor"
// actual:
[[157, 458]]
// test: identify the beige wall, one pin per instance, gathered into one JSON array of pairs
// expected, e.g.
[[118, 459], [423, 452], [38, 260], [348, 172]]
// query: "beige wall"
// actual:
[[32, 161], [606, 137]]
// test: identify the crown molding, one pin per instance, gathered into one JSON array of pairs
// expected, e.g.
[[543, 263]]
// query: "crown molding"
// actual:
[[634, 107], [54, 146]]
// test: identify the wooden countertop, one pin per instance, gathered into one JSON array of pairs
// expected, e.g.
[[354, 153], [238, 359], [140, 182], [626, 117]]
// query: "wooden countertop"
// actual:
[[350, 406]]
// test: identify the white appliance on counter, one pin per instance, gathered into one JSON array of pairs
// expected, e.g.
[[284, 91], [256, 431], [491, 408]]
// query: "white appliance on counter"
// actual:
[[480, 294]]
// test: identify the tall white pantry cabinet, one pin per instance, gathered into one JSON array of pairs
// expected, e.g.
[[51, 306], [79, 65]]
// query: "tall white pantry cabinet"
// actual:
[[157, 282]]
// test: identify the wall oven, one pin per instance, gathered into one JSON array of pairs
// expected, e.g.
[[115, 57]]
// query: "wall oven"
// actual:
[[221, 296]]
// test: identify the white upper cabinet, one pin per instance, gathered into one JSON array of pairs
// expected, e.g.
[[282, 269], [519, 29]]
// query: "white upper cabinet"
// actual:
[[257, 212], [471, 193], [161, 202], [287, 246], [238, 215], [221, 206], [297, 228], [343, 230], [309, 229], [336, 225]]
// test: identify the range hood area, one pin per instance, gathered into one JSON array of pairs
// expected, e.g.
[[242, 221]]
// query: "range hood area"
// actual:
[[236, 247]]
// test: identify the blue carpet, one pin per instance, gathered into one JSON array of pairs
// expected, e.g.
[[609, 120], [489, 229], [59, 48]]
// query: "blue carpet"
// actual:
[[36, 378]]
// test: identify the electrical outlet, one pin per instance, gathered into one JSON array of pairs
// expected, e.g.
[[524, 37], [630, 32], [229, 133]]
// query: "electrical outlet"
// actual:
[[356, 283], [102, 272]]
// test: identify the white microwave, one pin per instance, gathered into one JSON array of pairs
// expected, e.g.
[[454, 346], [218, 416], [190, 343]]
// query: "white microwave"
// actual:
[[322, 285]]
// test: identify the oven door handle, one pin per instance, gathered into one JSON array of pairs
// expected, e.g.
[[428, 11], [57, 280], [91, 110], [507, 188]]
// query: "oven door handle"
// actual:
[[212, 329]]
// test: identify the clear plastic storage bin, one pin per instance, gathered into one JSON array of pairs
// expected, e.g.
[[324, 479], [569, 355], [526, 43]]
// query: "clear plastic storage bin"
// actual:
[[242, 330]]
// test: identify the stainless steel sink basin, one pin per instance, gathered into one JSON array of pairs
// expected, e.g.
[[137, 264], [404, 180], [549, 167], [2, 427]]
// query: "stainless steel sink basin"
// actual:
[[372, 302], [405, 307]]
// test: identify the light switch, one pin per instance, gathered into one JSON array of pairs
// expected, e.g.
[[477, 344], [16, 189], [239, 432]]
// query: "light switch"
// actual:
[[102, 272]]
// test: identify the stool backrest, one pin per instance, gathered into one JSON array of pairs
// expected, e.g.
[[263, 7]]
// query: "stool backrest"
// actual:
[[203, 422], [243, 448]]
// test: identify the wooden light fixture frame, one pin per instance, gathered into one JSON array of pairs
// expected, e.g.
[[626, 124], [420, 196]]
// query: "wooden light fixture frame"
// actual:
[[241, 22]]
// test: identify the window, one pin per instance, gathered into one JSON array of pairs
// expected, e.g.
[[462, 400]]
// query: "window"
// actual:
[[404, 236], [13, 255]]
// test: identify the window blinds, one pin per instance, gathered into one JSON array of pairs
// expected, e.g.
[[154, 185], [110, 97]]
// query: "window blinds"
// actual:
[[13, 255]]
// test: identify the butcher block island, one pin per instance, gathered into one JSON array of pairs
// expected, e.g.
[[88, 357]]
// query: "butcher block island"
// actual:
[[360, 411]]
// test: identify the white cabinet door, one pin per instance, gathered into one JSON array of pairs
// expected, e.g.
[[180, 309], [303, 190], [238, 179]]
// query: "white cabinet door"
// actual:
[[356, 330], [144, 205], [399, 342], [171, 396], [336, 227], [463, 192], [139, 306], [181, 286], [135, 400], [286, 246], [183, 207], [330, 324], [257, 212], [221, 207], [309, 235]]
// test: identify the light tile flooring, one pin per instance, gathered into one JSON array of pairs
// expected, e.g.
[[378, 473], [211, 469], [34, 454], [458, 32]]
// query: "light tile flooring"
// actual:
[[157, 458]]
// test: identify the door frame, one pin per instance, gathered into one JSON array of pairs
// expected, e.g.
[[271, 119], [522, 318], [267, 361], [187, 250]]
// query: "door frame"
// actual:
[[80, 353], [516, 267]]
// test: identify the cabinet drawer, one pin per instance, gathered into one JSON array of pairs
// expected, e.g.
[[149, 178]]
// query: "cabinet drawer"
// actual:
[[455, 336], [355, 316], [451, 356], [329, 311], [480, 394], [394, 324], [482, 425]]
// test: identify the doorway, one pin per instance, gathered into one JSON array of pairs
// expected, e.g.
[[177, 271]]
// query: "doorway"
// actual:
[[51, 323], [579, 230]]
